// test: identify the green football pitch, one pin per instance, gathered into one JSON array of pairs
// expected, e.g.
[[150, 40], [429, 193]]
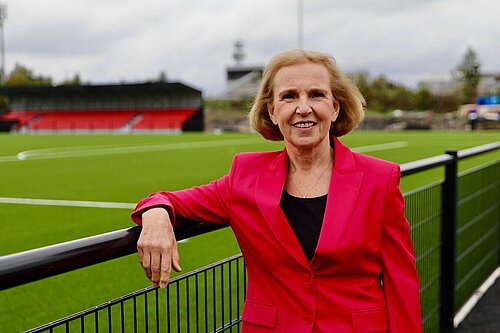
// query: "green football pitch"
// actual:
[[46, 182]]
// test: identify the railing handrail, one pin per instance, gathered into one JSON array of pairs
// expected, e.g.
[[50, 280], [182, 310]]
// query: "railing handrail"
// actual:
[[31, 265], [470, 152], [425, 164], [28, 266]]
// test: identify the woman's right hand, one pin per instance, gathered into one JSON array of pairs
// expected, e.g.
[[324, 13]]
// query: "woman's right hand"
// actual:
[[157, 247]]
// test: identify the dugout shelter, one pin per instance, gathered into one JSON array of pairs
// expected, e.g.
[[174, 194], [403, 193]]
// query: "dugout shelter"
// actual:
[[126, 108]]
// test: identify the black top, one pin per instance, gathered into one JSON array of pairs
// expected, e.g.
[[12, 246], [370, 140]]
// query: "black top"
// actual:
[[305, 216]]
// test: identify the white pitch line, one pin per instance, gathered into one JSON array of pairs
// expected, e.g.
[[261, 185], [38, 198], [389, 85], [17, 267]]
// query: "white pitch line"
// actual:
[[80, 151], [382, 146], [66, 152], [68, 203], [8, 159], [73, 203]]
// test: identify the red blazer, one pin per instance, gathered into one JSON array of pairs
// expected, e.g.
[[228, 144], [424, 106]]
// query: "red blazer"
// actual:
[[362, 277]]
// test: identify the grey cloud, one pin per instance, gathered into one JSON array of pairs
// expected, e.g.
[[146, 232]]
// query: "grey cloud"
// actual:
[[192, 40]]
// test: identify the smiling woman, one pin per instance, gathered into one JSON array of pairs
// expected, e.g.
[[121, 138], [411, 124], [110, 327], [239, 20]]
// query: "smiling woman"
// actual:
[[322, 229], [340, 88], [303, 106]]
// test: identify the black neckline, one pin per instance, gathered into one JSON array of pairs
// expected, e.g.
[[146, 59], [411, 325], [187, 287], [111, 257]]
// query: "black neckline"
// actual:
[[292, 197]]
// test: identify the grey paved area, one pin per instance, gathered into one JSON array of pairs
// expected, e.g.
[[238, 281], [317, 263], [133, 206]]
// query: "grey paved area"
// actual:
[[485, 317]]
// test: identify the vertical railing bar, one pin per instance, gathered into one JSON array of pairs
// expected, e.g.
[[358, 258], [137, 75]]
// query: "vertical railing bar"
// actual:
[[168, 309], [222, 293], [82, 324], [197, 304], [110, 329], [206, 301], [67, 327], [122, 316], [177, 288], [238, 289], [244, 281], [135, 313], [188, 321], [214, 298], [96, 315], [157, 311], [448, 234], [146, 316], [230, 295]]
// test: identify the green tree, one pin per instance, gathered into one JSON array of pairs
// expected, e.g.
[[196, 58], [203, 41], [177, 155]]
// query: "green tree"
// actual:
[[386, 95], [422, 99], [162, 77], [4, 103], [362, 80], [381, 94], [468, 73], [23, 76], [75, 81]]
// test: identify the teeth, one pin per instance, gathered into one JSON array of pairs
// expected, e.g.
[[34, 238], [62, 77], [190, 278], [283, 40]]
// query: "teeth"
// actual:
[[304, 125]]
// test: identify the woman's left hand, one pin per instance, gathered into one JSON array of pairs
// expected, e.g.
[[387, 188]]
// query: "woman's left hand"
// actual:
[[157, 247]]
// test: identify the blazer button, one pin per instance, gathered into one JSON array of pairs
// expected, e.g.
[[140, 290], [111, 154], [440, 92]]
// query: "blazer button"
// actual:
[[309, 319], [306, 277]]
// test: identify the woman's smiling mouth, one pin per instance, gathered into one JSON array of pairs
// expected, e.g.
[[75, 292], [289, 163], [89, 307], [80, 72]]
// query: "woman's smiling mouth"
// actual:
[[304, 124]]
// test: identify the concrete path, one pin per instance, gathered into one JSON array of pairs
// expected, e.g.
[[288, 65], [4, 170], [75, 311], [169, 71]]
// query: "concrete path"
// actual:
[[485, 317]]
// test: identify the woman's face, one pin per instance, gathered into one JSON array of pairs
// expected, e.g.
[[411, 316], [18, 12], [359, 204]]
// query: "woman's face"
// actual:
[[303, 106]]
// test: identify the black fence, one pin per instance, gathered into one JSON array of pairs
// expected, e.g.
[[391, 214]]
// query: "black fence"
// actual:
[[209, 299], [454, 226]]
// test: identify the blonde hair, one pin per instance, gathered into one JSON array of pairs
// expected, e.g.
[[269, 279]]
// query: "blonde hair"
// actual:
[[351, 101]]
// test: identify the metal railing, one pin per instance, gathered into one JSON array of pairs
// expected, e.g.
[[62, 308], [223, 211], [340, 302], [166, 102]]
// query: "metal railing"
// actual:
[[454, 227], [209, 299]]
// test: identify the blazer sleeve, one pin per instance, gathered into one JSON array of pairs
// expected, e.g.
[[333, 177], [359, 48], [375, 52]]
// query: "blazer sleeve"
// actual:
[[207, 203], [399, 275]]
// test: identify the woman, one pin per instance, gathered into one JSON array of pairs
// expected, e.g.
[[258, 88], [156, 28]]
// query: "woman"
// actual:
[[322, 229]]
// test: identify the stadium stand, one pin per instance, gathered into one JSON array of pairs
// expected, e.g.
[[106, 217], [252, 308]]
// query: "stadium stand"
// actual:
[[158, 106], [20, 118]]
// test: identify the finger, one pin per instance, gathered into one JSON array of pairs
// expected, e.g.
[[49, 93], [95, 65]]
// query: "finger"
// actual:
[[176, 258], [146, 264], [140, 254], [165, 269], [155, 268]]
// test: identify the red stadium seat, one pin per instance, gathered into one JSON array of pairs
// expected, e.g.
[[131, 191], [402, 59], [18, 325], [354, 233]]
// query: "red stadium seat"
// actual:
[[83, 120], [101, 120], [22, 117], [166, 119]]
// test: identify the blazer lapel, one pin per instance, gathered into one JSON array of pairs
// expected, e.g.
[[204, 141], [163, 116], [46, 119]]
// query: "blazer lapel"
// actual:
[[343, 191], [268, 190]]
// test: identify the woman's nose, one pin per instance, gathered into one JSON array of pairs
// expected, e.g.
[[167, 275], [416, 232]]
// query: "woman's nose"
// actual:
[[303, 108]]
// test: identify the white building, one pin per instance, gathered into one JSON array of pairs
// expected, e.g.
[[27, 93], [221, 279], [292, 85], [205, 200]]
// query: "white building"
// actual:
[[243, 81], [446, 84]]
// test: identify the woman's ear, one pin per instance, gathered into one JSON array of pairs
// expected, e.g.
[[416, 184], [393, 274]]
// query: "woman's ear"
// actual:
[[335, 110], [270, 111]]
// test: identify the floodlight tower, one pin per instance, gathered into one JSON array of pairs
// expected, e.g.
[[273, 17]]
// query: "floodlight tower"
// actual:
[[238, 54], [300, 23], [3, 16]]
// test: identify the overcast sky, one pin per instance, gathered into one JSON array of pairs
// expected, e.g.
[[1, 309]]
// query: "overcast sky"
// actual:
[[111, 41]]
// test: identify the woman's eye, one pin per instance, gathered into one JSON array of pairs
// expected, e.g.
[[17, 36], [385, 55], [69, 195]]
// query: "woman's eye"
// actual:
[[318, 94], [287, 97]]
